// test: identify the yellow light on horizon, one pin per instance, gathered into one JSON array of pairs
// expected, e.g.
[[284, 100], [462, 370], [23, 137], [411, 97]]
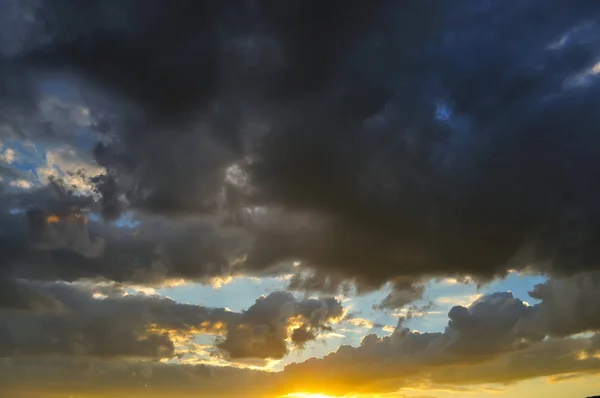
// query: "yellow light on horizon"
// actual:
[[306, 395]]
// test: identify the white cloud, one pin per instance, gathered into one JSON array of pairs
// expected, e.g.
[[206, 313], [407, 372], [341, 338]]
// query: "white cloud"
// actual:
[[8, 156], [23, 184], [463, 300], [361, 323], [414, 313], [66, 163], [458, 281], [389, 328]]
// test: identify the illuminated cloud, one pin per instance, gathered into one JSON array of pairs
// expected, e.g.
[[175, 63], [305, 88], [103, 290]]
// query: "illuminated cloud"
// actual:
[[361, 323], [8, 156], [481, 344], [266, 325], [67, 164]]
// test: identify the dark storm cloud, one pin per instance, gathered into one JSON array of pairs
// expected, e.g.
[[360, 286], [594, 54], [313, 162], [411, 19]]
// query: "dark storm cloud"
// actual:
[[100, 321], [387, 140], [185, 68], [397, 192], [402, 193]]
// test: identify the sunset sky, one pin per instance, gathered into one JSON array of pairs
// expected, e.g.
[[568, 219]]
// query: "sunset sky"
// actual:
[[299, 198]]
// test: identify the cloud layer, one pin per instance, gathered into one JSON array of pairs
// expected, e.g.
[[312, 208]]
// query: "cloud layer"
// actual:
[[496, 339], [483, 343]]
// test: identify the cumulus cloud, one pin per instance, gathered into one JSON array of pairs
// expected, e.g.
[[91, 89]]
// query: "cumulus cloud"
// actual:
[[95, 321], [267, 324], [569, 305], [68, 165], [483, 343], [8, 156]]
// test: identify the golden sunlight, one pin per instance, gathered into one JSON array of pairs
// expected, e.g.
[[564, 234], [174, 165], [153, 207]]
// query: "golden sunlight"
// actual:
[[305, 395]]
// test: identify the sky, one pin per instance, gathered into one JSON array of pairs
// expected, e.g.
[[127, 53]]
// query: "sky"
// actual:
[[300, 198]]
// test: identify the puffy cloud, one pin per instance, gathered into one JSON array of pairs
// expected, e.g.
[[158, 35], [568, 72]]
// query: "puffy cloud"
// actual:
[[266, 325], [23, 184], [8, 156], [569, 305], [95, 321], [68, 165]]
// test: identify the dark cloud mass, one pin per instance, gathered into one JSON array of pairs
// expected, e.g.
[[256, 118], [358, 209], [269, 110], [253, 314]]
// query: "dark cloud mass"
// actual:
[[394, 139], [391, 140]]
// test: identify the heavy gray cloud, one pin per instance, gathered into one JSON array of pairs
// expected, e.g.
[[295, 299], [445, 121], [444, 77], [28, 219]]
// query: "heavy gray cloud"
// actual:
[[67, 245], [385, 140]]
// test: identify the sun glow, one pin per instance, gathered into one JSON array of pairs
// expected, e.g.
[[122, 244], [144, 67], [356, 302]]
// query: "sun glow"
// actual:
[[305, 395]]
